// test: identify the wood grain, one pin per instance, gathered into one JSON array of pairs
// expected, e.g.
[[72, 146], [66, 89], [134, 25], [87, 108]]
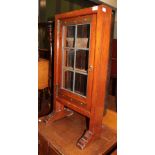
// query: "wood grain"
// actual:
[[100, 20], [62, 135]]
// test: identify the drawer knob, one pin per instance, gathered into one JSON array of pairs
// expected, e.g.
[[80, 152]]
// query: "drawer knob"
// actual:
[[90, 68]]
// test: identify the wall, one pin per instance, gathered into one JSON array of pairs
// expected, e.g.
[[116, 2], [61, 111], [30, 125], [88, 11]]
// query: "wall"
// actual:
[[112, 3], [53, 7], [59, 6], [115, 26]]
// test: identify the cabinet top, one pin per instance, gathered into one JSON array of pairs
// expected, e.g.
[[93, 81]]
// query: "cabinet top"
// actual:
[[86, 11]]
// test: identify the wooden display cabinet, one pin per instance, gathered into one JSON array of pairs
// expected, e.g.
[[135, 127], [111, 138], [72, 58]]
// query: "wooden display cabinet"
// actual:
[[81, 56]]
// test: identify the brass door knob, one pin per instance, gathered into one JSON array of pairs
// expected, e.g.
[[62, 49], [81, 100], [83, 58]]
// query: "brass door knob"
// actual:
[[90, 68]]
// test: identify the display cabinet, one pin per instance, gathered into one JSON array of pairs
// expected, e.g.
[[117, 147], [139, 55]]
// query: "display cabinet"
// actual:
[[81, 56]]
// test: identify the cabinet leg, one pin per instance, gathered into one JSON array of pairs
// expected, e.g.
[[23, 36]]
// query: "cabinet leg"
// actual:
[[54, 116], [86, 139], [92, 133]]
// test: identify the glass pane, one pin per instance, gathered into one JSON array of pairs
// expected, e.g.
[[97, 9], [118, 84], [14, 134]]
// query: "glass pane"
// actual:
[[68, 80], [82, 59], [70, 38], [80, 84], [83, 33], [69, 58]]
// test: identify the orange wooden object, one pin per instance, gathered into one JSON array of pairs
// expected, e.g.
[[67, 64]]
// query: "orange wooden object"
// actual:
[[43, 71], [61, 136], [90, 104]]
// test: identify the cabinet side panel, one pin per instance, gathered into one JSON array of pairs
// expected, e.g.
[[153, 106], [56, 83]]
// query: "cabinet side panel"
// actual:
[[103, 35]]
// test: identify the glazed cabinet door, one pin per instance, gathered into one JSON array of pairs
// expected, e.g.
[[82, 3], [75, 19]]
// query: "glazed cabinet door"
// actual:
[[76, 59]]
